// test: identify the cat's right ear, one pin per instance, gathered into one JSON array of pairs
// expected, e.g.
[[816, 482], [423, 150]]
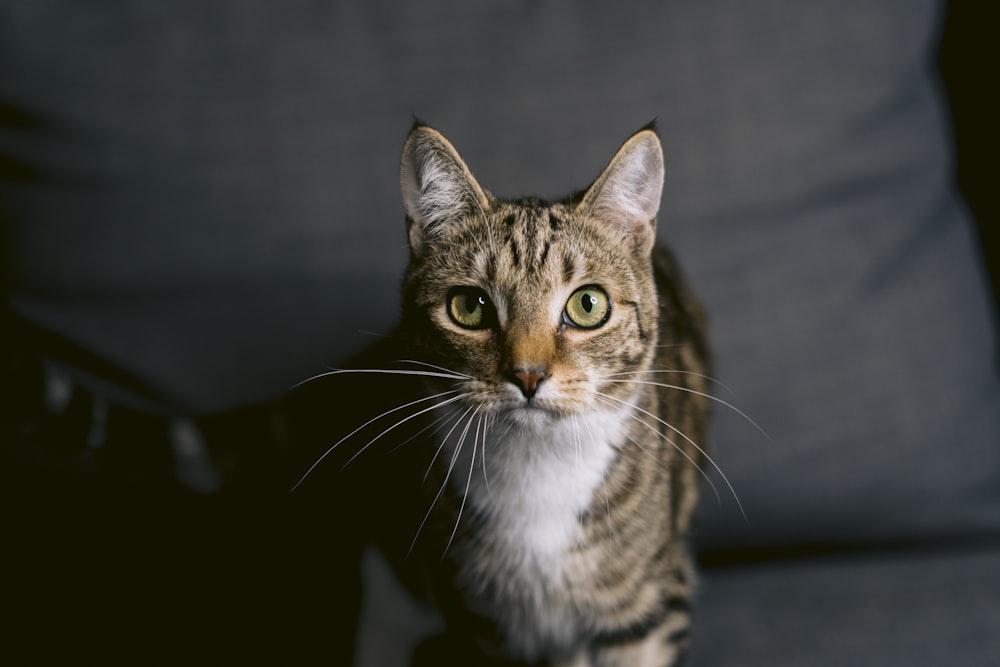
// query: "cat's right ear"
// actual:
[[438, 188], [626, 196]]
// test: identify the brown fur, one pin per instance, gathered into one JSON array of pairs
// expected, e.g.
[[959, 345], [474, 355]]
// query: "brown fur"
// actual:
[[617, 590]]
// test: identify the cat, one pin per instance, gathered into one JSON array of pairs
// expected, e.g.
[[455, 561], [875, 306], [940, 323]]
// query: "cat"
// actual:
[[542, 407]]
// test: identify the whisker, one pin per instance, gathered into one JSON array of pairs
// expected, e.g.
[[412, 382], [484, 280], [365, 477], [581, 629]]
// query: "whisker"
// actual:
[[669, 441], [374, 334], [465, 496], [675, 446], [378, 371], [486, 478], [374, 419], [400, 423], [692, 443], [444, 485], [663, 436], [413, 437], [707, 378], [444, 441], [506, 431], [698, 393], [439, 368]]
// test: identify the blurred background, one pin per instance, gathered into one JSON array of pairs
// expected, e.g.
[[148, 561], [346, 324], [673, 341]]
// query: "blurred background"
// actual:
[[199, 208]]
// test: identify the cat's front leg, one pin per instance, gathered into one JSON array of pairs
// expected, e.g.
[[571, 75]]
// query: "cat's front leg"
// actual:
[[579, 660], [663, 646]]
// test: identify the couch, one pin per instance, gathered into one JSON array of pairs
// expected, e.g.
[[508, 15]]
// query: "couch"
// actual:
[[200, 208]]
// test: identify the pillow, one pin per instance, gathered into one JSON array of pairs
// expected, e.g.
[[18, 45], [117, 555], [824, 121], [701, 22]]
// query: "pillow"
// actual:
[[206, 196]]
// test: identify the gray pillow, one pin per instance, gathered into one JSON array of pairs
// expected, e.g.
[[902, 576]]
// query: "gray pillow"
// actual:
[[206, 196]]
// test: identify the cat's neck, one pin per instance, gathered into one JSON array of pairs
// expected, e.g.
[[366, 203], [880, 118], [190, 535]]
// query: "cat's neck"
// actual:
[[533, 482]]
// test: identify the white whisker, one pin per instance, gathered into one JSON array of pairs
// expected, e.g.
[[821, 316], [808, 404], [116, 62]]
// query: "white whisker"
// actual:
[[699, 393], [486, 478], [674, 445], [444, 441], [663, 436], [379, 371], [692, 443], [506, 431], [436, 423], [444, 485], [401, 422], [465, 495], [372, 420], [439, 368], [707, 378]]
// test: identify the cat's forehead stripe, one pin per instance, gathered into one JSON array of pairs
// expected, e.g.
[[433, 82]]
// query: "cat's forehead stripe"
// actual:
[[568, 268], [545, 255], [528, 230]]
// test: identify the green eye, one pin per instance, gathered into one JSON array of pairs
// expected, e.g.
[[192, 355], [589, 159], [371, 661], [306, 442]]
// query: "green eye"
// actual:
[[469, 307], [588, 308]]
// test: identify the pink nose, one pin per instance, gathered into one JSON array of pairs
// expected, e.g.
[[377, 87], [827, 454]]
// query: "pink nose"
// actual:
[[528, 380]]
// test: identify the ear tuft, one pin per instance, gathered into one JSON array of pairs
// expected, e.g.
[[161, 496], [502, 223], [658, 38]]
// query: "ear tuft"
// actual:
[[437, 187], [626, 196]]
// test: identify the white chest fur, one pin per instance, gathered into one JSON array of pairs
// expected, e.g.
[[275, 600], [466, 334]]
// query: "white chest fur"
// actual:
[[538, 481], [532, 488]]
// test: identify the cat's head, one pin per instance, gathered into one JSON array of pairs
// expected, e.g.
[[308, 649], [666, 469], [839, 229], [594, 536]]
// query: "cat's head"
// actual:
[[538, 304]]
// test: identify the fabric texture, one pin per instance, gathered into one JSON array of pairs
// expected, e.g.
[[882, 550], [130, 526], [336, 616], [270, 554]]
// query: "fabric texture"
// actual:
[[903, 608], [206, 196]]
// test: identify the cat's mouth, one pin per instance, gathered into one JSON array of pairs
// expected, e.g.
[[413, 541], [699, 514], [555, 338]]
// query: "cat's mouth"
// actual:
[[534, 410], [508, 403], [530, 413], [534, 406]]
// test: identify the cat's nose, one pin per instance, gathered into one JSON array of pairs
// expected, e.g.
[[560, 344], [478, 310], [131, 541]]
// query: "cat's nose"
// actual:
[[528, 379]]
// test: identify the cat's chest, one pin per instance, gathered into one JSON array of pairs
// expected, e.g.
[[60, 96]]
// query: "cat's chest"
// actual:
[[526, 566], [530, 487]]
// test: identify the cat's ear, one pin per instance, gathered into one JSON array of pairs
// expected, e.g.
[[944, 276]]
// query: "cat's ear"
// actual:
[[438, 188], [626, 195]]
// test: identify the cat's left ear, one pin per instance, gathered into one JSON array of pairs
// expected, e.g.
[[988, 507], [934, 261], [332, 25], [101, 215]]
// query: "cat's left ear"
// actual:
[[438, 188], [626, 195]]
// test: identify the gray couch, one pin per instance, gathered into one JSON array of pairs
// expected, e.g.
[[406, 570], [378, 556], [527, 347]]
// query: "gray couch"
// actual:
[[200, 208]]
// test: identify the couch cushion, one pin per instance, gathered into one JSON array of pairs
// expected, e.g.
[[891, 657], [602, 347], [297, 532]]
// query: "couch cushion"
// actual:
[[206, 196], [902, 608]]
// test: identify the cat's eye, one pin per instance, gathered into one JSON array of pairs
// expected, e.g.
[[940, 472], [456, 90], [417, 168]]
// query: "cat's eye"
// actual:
[[588, 308], [469, 307]]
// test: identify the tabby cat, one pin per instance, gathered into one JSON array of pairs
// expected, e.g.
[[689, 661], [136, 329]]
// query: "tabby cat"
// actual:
[[552, 439]]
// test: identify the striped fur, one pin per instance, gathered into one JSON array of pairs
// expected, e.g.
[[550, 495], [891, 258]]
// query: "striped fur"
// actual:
[[557, 521]]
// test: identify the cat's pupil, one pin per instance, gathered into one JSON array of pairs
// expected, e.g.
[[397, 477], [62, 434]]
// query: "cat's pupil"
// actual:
[[588, 301]]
